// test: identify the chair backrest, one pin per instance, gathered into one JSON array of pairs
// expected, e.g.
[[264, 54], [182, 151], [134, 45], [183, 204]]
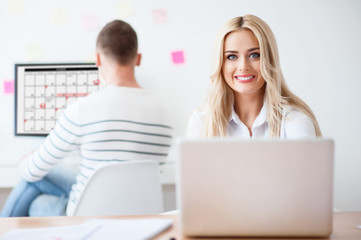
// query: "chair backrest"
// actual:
[[125, 188]]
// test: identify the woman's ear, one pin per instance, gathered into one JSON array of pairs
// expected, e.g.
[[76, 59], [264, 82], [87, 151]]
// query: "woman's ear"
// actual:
[[138, 59], [97, 60]]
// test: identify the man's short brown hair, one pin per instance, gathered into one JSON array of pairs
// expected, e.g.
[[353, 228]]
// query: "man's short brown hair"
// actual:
[[118, 41]]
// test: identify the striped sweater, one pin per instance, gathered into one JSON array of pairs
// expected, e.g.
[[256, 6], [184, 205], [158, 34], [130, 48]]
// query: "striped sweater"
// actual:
[[111, 125]]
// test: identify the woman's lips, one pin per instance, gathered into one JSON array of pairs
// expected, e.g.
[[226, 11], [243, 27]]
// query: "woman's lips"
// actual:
[[245, 78]]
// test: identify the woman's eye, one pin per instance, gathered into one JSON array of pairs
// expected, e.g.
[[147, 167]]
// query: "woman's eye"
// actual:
[[232, 57], [254, 55]]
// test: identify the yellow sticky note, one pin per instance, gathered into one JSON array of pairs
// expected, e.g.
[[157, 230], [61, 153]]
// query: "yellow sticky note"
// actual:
[[16, 6], [125, 9], [59, 17], [33, 52]]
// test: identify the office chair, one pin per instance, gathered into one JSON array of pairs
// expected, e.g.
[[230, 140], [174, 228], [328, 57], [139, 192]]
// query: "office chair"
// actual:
[[124, 188]]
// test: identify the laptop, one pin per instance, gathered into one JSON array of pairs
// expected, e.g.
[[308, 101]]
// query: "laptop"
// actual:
[[257, 188]]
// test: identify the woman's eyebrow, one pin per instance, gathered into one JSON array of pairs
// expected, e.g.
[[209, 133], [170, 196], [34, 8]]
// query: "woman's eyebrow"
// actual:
[[249, 50], [252, 49], [230, 51]]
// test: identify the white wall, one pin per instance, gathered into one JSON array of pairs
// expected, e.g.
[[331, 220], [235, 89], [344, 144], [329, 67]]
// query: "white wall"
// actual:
[[319, 45]]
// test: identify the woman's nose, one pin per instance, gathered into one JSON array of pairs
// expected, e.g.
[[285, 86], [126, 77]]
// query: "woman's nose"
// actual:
[[243, 64]]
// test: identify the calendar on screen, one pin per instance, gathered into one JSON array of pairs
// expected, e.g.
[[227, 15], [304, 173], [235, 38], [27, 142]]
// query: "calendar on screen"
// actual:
[[43, 91]]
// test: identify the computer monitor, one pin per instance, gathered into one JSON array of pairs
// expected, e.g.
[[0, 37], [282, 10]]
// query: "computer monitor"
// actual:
[[43, 91]]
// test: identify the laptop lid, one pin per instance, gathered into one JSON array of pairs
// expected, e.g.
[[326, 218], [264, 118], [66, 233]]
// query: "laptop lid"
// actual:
[[255, 188]]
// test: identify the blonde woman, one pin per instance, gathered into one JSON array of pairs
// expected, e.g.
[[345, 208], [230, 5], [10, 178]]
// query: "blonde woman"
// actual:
[[248, 96]]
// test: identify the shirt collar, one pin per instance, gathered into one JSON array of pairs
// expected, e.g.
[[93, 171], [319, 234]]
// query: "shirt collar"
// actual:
[[261, 118]]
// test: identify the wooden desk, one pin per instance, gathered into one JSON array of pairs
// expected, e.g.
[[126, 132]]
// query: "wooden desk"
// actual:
[[344, 225]]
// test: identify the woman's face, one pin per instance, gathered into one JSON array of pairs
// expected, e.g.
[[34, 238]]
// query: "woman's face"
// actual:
[[241, 65]]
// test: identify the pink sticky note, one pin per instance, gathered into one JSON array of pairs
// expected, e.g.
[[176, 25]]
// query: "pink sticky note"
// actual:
[[160, 16], [178, 57], [9, 87], [90, 23]]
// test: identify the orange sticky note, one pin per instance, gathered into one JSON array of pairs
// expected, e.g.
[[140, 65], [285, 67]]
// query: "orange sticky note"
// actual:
[[160, 16], [178, 57], [9, 86]]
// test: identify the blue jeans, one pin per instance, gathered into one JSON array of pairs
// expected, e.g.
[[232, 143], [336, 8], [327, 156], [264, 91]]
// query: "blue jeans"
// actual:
[[46, 197]]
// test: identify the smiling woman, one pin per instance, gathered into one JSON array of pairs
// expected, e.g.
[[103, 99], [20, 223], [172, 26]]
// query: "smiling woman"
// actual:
[[248, 96], [241, 67]]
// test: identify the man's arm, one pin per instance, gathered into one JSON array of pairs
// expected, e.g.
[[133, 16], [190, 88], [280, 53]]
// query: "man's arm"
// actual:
[[59, 143]]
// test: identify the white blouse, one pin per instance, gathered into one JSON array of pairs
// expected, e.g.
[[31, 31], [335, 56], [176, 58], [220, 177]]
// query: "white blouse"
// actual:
[[295, 125]]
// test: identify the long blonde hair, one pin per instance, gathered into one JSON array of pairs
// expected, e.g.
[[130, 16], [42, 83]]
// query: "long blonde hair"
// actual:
[[220, 98]]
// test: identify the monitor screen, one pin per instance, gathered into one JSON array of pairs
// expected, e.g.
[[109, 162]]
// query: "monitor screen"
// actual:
[[43, 91]]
